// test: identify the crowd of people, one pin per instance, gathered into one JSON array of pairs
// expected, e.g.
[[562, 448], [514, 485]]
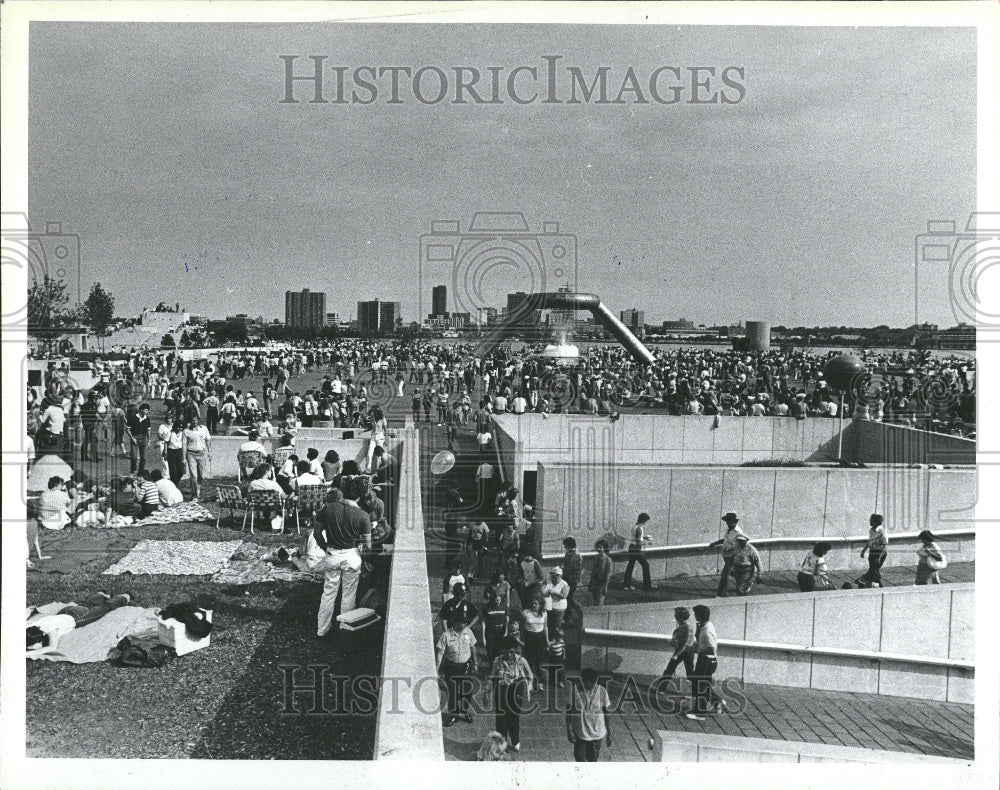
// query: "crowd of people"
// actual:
[[907, 387]]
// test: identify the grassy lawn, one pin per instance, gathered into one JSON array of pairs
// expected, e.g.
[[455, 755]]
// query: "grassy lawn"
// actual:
[[223, 701]]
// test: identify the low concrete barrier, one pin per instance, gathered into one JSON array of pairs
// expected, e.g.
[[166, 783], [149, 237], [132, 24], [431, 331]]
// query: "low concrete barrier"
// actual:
[[932, 622], [408, 727], [686, 747]]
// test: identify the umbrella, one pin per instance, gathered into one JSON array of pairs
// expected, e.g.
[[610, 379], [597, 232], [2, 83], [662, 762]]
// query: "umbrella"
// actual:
[[442, 462]]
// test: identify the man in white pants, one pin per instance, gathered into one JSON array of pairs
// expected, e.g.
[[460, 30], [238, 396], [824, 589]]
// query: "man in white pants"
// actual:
[[341, 528]]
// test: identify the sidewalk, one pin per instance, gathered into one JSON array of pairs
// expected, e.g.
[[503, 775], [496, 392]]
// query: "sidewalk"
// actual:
[[869, 721]]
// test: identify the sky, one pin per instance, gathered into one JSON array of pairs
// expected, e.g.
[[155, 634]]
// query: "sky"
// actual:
[[167, 150]]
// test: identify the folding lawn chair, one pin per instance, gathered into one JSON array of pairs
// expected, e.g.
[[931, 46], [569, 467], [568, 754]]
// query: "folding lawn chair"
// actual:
[[308, 499], [246, 462], [265, 502], [231, 498]]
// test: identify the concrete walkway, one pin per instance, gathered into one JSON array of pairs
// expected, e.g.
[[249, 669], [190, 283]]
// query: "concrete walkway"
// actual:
[[868, 721]]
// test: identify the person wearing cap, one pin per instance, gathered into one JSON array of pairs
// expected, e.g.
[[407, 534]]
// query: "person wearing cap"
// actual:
[[930, 560], [746, 564], [636, 554], [556, 592], [456, 660], [877, 548], [729, 545], [511, 678]]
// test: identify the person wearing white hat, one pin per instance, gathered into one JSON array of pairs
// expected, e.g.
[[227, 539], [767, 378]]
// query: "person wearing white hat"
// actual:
[[556, 592]]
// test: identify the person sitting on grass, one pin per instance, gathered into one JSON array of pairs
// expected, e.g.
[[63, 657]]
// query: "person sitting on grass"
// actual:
[[54, 504], [146, 494], [169, 493], [121, 500]]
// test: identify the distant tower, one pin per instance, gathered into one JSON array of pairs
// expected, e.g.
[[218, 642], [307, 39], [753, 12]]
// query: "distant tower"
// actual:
[[439, 300], [758, 335]]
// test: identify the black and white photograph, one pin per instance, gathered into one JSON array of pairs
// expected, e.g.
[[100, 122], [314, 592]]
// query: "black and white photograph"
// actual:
[[404, 383]]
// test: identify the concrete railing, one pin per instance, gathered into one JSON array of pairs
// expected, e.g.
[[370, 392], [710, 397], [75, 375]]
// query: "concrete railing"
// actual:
[[602, 636], [405, 729], [799, 640], [656, 552], [690, 747]]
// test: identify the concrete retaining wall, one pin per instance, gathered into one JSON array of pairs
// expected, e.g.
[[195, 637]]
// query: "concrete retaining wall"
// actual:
[[224, 448], [405, 729], [661, 439], [688, 747], [686, 505], [934, 621], [879, 443]]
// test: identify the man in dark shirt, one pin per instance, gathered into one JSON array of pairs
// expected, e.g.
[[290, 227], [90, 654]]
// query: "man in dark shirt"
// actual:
[[341, 527], [458, 604], [138, 429]]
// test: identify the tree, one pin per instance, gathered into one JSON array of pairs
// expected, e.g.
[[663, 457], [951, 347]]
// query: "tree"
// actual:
[[48, 305], [99, 309], [168, 341], [185, 339]]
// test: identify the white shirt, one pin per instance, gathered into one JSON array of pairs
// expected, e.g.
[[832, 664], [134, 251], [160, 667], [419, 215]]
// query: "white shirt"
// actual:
[[54, 418], [196, 439], [519, 406], [307, 479], [252, 446], [169, 493]]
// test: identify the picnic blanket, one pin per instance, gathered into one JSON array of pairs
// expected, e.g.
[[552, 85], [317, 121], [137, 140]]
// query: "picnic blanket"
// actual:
[[94, 642], [176, 557], [247, 567], [175, 514], [69, 553]]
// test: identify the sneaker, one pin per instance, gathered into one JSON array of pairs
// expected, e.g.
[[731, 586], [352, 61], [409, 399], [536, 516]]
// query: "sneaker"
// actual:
[[449, 720], [517, 747], [694, 717], [468, 717], [321, 634], [721, 707], [627, 587]]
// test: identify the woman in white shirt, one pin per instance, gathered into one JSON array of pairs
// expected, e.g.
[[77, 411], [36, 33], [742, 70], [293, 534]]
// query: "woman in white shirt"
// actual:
[[814, 568], [535, 632]]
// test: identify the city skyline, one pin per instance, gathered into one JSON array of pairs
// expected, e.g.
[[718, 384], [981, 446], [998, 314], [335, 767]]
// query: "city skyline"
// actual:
[[797, 206]]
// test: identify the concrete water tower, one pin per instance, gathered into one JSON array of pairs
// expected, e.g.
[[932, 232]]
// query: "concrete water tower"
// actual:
[[758, 335]]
